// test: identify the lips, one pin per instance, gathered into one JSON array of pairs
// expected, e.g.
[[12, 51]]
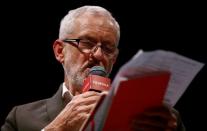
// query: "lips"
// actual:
[[86, 68], [91, 64]]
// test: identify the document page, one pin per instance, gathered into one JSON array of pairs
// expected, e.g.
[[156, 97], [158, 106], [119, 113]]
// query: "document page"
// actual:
[[182, 70]]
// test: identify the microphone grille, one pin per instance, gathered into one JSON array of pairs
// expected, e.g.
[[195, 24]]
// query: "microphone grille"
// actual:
[[98, 70]]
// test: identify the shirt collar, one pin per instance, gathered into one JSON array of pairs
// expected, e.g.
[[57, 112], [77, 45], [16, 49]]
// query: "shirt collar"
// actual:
[[65, 89]]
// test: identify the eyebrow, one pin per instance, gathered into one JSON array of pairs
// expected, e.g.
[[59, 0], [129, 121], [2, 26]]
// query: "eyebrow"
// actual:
[[93, 39], [87, 36]]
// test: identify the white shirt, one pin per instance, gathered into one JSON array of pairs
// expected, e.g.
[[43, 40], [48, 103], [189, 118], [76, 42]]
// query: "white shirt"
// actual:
[[65, 89]]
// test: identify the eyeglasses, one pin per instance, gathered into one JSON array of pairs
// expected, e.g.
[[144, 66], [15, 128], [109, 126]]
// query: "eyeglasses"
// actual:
[[88, 46]]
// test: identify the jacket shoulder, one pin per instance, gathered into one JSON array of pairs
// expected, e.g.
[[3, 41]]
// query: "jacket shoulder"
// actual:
[[27, 116]]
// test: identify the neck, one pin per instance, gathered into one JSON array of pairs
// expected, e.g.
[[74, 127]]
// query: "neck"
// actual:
[[72, 88]]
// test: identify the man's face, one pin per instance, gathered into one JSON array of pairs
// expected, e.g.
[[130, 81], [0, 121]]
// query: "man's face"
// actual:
[[76, 63]]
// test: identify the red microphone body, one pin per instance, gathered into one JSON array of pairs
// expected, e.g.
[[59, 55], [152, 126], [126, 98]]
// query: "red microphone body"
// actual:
[[96, 80]]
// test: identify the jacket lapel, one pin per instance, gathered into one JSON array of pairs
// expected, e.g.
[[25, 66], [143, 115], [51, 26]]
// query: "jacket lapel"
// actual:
[[55, 104]]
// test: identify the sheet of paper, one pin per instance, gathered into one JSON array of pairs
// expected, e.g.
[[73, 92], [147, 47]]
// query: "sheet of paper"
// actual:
[[182, 69]]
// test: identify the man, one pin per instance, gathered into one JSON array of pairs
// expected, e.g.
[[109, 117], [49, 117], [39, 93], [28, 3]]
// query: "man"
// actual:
[[88, 37]]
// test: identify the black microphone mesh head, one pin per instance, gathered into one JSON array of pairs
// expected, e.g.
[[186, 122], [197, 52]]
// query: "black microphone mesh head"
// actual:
[[98, 70]]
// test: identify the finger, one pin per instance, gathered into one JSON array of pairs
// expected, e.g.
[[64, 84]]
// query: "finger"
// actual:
[[80, 101], [86, 94], [156, 118], [172, 124], [160, 108], [75, 110], [161, 111], [89, 94], [104, 93], [89, 100], [146, 128], [149, 122], [85, 108], [158, 115], [82, 116], [152, 126]]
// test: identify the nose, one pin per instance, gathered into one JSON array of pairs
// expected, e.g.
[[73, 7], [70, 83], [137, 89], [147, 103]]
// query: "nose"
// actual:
[[97, 53]]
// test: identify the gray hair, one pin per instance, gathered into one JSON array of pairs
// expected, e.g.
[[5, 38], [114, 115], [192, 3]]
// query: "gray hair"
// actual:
[[67, 23]]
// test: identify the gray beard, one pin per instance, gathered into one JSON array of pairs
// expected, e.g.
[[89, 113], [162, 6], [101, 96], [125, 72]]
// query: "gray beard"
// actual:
[[75, 78]]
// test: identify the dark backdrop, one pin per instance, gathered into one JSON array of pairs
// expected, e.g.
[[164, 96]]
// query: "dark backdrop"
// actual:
[[30, 72]]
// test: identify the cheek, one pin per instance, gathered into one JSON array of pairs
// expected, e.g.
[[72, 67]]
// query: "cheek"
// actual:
[[69, 58], [74, 59]]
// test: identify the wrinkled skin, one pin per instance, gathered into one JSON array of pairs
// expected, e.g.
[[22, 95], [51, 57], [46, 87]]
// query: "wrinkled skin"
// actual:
[[75, 113]]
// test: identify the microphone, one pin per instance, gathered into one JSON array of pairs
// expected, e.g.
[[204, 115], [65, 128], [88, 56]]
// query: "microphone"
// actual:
[[97, 80]]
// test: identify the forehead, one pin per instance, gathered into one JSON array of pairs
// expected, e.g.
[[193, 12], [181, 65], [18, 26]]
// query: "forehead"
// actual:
[[96, 19], [95, 25]]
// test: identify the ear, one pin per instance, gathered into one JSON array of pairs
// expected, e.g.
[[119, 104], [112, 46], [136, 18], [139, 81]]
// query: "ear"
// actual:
[[58, 48]]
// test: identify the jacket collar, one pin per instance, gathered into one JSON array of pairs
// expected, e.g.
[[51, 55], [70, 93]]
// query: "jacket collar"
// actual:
[[54, 104]]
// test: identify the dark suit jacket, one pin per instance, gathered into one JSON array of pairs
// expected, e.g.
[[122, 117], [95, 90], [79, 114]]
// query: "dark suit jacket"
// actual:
[[34, 116]]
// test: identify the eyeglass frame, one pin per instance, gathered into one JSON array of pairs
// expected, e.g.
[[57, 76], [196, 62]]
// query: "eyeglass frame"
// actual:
[[76, 43]]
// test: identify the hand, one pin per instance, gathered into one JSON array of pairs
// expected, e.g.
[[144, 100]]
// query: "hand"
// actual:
[[159, 118], [75, 112]]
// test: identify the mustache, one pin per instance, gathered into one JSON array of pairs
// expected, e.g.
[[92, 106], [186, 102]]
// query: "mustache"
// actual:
[[90, 64]]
